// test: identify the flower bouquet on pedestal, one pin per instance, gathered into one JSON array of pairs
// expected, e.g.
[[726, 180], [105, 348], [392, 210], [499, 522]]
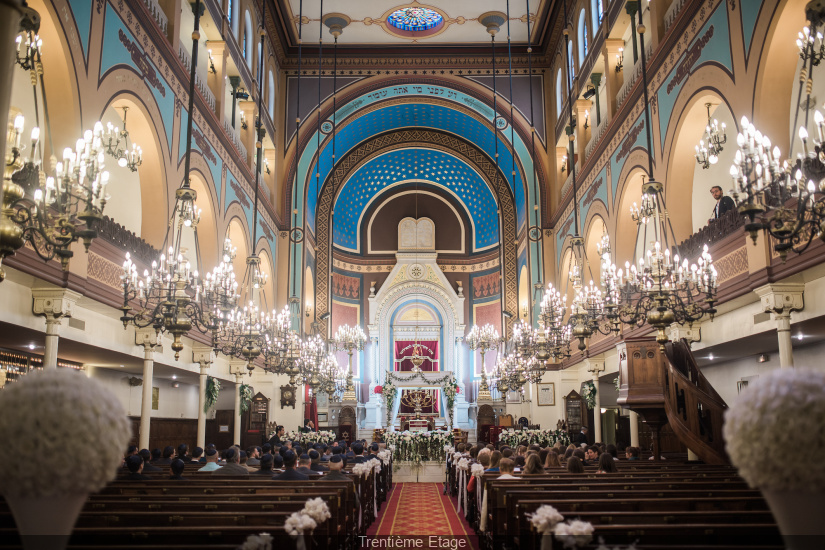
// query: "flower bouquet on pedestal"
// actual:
[[784, 409]]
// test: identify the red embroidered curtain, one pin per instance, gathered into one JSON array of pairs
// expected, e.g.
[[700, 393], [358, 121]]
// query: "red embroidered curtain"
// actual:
[[404, 349]]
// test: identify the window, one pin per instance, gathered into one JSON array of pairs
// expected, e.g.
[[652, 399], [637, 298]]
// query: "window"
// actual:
[[571, 64], [247, 39], [271, 95], [229, 11], [582, 37], [558, 94], [597, 11]]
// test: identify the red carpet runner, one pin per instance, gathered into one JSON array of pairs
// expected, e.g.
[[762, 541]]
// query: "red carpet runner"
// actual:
[[417, 510]]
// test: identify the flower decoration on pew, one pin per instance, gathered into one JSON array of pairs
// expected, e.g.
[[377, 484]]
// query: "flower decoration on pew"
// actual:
[[463, 464], [262, 541], [477, 470], [575, 533], [77, 414], [545, 518], [317, 509], [385, 456], [362, 469], [299, 523]]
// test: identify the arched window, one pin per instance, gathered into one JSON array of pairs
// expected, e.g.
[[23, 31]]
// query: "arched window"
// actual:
[[232, 14], [247, 39], [558, 94], [271, 95], [582, 37], [597, 11], [571, 63]]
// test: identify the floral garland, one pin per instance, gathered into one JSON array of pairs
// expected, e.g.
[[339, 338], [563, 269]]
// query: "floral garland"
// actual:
[[589, 394], [246, 397], [311, 437], [513, 438], [213, 388], [616, 384], [418, 447], [390, 392], [451, 389], [447, 382]]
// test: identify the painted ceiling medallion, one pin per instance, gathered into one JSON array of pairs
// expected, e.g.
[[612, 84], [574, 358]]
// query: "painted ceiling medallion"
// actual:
[[415, 19]]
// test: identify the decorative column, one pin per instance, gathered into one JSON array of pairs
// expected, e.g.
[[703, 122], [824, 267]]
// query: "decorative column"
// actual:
[[53, 304], [596, 367], [149, 338], [596, 80], [582, 107], [781, 299], [631, 8], [621, 350], [657, 22], [613, 47], [678, 332], [204, 356], [217, 80], [238, 368], [248, 137]]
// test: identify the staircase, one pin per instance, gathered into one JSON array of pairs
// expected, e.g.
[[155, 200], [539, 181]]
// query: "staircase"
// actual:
[[668, 388]]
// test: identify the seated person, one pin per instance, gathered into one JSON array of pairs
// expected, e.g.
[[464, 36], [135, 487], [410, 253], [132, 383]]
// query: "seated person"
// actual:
[[574, 465], [606, 464], [176, 469], [266, 463], [135, 465], [506, 467], [289, 473]]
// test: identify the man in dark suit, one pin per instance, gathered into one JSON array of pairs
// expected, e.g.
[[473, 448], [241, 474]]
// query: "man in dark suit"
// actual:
[[275, 440], [316, 465], [581, 437], [304, 464], [373, 452], [167, 457], [336, 464], [266, 466], [176, 469], [723, 203], [358, 453], [289, 469], [135, 465], [232, 466], [146, 455]]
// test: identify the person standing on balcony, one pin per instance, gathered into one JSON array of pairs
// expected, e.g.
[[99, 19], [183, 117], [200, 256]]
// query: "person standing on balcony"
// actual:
[[723, 203]]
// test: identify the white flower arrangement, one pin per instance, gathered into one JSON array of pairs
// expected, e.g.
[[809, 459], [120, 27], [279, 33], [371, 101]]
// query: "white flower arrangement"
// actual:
[[376, 465], [317, 509], [773, 413], [449, 448], [362, 469], [457, 457], [513, 438], [463, 464], [385, 456], [313, 437], [417, 447], [545, 518], [262, 541], [573, 534], [66, 415], [589, 394], [477, 470], [298, 523]]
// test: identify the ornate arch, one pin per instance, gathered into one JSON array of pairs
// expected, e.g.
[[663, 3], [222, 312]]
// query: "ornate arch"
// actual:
[[440, 140]]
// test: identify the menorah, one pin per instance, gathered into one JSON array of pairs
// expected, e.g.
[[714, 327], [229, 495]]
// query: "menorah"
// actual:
[[417, 399]]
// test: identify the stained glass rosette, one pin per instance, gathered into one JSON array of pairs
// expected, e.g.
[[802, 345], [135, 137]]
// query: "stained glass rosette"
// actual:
[[415, 19]]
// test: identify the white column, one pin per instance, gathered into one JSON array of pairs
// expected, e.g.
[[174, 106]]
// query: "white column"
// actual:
[[238, 368], [53, 304], [781, 299], [634, 429], [596, 367], [148, 338], [203, 355], [238, 382]]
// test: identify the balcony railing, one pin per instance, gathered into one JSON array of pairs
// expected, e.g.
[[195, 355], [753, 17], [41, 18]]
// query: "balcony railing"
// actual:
[[114, 233], [157, 14], [199, 83], [716, 230], [632, 76], [595, 136], [673, 12], [235, 139]]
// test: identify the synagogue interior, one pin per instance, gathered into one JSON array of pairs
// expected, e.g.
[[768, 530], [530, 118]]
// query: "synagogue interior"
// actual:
[[579, 247]]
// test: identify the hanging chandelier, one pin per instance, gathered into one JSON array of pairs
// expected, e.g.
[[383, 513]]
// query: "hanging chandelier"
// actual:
[[171, 297], [51, 207], [786, 198], [117, 145], [557, 334], [657, 290], [711, 144], [349, 339], [483, 339]]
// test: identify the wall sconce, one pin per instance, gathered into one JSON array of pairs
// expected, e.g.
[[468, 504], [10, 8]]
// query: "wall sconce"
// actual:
[[564, 164], [211, 62], [586, 119], [244, 125], [524, 310], [266, 166], [308, 309], [620, 60]]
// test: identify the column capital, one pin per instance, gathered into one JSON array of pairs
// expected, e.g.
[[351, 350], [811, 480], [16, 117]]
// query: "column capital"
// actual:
[[613, 45], [781, 298], [582, 105], [237, 367], [631, 7], [204, 355], [54, 303], [147, 337], [596, 79], [594, 365], [692, 334]]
